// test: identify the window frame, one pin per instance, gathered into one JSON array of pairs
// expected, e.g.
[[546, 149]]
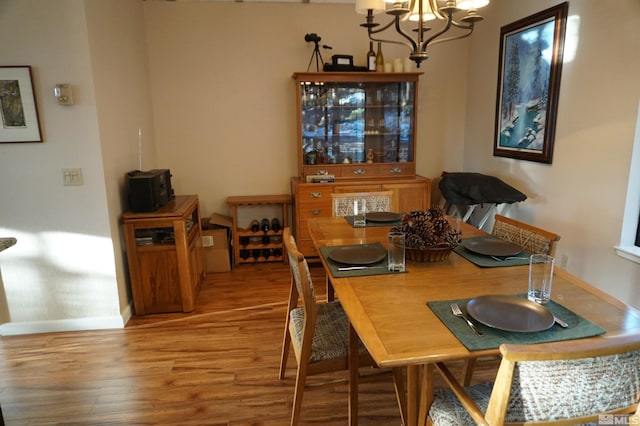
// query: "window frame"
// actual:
[[629, 247]]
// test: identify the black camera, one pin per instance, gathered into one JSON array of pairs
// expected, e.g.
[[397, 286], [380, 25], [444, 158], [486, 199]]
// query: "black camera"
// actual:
[[312, 37]]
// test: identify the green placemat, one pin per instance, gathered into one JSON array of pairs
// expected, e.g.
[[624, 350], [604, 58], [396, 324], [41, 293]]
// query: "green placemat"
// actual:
[[379, 268], [492, 338], [372, 224], [487, 261]]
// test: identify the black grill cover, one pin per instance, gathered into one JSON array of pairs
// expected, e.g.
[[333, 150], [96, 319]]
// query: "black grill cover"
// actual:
[[475, 188]]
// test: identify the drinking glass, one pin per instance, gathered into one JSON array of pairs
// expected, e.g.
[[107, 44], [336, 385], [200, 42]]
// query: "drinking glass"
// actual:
[[395, 251], [540, 277], [359, 213]]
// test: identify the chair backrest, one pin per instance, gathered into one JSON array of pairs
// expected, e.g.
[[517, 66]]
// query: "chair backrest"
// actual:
[[529, 237], [379, 201], [301, 279], [577, 380]]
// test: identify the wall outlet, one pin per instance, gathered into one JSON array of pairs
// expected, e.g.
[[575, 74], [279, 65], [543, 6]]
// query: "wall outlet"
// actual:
[[564, 261]]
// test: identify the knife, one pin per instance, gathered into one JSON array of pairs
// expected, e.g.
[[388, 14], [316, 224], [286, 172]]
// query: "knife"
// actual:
[[357, 268], [560, 322]]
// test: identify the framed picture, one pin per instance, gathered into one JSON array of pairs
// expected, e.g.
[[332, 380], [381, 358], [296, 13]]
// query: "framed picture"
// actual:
[[18, 111], [531, 52]]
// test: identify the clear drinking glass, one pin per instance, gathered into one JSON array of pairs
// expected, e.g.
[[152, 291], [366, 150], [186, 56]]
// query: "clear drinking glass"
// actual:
[[395, 251], [540, 277], [359, 213]]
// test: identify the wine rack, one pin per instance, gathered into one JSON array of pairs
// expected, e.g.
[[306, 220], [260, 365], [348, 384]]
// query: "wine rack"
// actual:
[[260, 246]]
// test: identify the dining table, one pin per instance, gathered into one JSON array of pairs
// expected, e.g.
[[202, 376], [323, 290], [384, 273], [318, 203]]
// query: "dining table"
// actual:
[[395, 315]]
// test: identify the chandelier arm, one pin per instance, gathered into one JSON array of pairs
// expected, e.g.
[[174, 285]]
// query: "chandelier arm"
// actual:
[[379, 30], [442, 40], [431, 40], [412, 43]]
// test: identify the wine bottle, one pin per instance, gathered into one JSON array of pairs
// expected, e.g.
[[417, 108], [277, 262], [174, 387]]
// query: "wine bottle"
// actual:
[[255, 226], [371, 58], [275, 224], [379, 59], [264, 225]]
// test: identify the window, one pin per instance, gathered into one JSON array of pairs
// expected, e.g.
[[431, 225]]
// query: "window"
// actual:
[[629, 247]]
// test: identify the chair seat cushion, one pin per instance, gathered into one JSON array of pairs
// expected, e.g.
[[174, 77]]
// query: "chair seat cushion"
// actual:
[[331, 338], [447, 410]]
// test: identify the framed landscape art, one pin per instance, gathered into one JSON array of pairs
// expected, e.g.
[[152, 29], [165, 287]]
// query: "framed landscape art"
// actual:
[[531, 52], [18, 111]]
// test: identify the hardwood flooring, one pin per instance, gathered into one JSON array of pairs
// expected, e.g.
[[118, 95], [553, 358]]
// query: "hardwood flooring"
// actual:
[[217, 365]]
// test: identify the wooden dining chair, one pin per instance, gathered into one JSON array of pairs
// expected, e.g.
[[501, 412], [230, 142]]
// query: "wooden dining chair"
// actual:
[[560, 383], [379, 201], [318, 332], [529, 237]]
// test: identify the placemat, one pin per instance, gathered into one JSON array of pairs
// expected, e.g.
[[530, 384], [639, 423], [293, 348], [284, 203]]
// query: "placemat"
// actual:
[[379, 268], [492, 338], [487, 261], [372, 224]]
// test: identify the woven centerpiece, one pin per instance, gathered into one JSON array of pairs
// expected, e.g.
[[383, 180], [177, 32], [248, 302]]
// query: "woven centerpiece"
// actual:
[[428, 254], [429, 236]]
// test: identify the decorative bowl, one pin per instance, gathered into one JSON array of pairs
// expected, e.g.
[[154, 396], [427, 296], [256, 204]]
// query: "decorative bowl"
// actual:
[[428, 254]]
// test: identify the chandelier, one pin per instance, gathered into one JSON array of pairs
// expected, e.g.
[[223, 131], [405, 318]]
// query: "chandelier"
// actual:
[[430, 10]]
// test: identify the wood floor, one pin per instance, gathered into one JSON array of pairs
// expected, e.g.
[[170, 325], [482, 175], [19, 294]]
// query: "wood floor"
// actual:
[[217, 365]]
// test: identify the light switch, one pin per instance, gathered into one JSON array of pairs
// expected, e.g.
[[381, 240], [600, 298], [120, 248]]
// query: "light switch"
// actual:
[[72, 177]]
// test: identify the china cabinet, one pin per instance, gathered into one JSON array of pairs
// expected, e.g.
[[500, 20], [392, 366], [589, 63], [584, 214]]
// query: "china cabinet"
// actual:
[[355, 125], [356, 133], [164, 251]]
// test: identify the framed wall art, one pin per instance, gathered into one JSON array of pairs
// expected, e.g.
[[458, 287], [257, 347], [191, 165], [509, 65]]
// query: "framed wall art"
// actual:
[[531, 52], [18, 111]]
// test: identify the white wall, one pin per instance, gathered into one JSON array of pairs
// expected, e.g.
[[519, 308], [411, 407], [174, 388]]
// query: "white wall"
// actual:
[[66, 270], [581, 195]]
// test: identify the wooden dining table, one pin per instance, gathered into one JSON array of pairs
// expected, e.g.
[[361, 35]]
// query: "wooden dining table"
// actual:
[[390, 315]]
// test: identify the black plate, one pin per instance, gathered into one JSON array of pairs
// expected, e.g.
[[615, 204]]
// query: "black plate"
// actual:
[[358, 255], [510, 313], [491, 246], [383, 217]]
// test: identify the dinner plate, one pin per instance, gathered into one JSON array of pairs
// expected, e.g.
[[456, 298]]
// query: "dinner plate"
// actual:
[[358, 255], [383, 216], [510, 313], [491, 246]]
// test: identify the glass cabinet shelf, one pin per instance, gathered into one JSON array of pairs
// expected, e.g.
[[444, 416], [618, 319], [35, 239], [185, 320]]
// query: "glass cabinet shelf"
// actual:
[[366, 119]]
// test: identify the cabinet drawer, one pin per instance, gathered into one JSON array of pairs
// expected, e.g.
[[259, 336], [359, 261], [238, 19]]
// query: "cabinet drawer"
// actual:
[[314, 193], [395, 169], [311, 210], [307, 248], [357, 171]]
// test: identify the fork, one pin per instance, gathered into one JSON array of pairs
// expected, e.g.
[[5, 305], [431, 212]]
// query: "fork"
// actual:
[[502, 259], [455, 309]]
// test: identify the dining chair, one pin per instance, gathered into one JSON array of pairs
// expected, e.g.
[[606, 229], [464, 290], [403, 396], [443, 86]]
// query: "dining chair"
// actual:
[[379, 201], [529, 237], [560, 383], [318, 332]]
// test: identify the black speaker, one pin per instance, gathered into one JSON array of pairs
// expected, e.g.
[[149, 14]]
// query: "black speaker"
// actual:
[[148, 191]]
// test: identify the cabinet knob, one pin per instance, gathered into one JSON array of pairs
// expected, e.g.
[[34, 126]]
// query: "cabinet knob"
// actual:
[[395, 170], [359, 171], [316, 212], [316, 195]]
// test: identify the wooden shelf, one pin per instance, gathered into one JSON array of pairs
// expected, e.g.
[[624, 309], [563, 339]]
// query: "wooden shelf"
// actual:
[[164, 275], [276, 251]]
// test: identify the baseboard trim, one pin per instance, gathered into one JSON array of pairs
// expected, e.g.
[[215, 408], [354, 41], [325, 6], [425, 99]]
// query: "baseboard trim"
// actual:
[[75, 324]]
